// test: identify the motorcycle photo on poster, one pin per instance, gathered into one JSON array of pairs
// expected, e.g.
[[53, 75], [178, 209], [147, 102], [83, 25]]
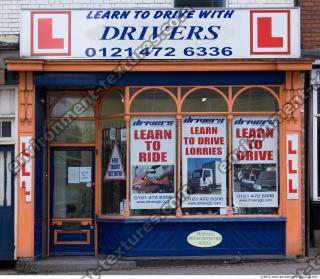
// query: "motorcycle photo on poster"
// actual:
[[152, 162]]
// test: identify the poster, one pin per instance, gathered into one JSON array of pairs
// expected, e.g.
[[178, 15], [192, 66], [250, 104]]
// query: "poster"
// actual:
[[73, 175], [85, 175], [204, 146], [255, 162], [115, 169], [153, 157]]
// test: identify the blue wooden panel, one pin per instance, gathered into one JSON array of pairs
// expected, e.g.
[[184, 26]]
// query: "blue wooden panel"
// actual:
[[73, 237], [159, 78], [264, 236]]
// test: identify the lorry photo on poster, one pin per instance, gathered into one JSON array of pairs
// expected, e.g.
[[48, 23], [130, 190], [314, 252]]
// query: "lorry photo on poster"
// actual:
[[255, 162], [153, 162], [203, 148]]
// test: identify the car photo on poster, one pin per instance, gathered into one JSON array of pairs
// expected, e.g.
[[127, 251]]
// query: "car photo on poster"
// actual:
[[153, 179], [255, 178], [203, 177]]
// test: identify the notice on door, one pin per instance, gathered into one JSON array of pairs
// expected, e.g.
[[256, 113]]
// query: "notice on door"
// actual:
[[204, 147], [255, 162], [153, 157], [85, 175], [73, 175]]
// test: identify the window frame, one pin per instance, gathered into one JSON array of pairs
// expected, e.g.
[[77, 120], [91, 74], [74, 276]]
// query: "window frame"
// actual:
[[315, 149], [202, 7], [13, 118]]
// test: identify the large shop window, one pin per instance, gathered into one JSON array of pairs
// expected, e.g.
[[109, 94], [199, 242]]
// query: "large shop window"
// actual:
[[180, 151]]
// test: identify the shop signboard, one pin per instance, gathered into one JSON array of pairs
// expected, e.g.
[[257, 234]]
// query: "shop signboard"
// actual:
[[255, 162], [160, 34], [153, 162], [204, 145]]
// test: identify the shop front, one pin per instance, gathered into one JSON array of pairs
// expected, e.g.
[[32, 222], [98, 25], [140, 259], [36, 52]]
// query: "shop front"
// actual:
[[156, 156]]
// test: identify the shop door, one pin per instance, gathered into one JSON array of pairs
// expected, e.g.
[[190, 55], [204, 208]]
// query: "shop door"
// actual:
[[6, 204], [72, 201]]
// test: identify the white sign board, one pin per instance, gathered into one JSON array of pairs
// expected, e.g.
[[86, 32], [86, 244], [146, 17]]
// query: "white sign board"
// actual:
[[255, 162], [153, 162], [115, 169], [160, 34], [85, 175], [26, 166], [204, 147], [292, 166]]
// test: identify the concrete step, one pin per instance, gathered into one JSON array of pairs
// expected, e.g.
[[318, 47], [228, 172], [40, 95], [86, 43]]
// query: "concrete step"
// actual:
[[208, 260], [73, 265]]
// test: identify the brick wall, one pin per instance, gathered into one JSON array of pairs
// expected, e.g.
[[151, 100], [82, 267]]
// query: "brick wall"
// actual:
[[10, 9], [310, 24]]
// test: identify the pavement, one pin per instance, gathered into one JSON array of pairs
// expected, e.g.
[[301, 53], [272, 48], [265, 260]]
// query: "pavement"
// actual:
[[79, 266], [284, 268]]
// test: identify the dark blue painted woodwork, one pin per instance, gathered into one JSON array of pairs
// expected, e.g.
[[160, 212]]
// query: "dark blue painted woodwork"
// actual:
[[254, 236], [7, 209], [71, 249], [159, 78], [40, 183]]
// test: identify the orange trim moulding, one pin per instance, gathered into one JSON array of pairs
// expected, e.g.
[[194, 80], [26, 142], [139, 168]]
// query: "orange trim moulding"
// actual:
[[30, 65]]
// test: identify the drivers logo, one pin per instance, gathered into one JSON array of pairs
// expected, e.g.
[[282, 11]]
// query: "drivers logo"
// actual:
[[270, 32], [51, 33]]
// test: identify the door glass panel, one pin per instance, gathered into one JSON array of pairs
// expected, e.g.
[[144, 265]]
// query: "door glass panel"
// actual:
[[2, 178], [8, 191], [73, 182], [73, 132]]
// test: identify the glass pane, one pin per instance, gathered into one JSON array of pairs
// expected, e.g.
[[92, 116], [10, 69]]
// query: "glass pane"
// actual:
[[6, 129], [255, 99], [318, 101], [113, 166], [199, 3], [204, 100], [8, 190], [153, 100], [7, 101], [74, 132], [112, 104], [73, 106], [73, 182]]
